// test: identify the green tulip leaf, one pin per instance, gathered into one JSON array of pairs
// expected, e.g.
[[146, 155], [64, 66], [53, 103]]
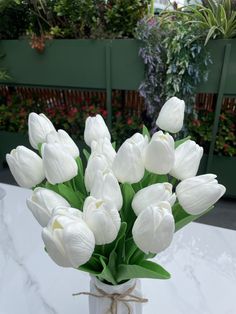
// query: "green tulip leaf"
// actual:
[[106, 273], [179, 142], [112, 264], [145, 269], [130, 248], [114, 145], [127, 213], [86, 154], [146, 132], [152, 178], [182, 218], [79, 179], [111, 247], [51, 187], [72, 197], [93, 266]]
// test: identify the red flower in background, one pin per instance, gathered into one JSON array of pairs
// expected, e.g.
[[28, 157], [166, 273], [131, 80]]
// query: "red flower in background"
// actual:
[[91, 107], [129, 121], [72, 112], [104, 113], [196, 122]]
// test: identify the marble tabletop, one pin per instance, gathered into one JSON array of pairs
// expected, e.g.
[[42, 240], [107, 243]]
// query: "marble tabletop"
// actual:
[[201, 259]]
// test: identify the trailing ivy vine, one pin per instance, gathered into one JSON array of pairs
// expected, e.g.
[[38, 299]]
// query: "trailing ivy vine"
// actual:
[[175, 58], [153, 55]]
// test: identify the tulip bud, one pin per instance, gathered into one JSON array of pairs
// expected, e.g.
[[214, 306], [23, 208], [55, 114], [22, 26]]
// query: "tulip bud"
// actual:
[[104, 147], [154, 228], [63, 138], [140, 141], [159, 155], [68, 240], [128, 164], [59, 165], [95, 163], [71, 212], [39, 127], [187, 159], [102, 218], [153, 195], [171, 116], [95, 129], [107, 188], [199, 193], [26, 167], [42, 202]]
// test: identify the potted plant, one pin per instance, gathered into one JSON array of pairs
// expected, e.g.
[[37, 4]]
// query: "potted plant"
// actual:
[[112, 218]]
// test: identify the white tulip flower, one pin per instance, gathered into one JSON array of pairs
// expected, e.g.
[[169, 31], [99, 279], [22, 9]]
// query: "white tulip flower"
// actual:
[[59, 165], [71, 212], [171, 116], [187, 159], [128, 166], [68, 240], [104, 147], [140, 141], [159, 155], [154, 228], [95, 129], [26, 167], [39, 127], [42, 202], [102, 218], [95, 163], [153, 195], [199, 193], [107, 188], [63, 138]]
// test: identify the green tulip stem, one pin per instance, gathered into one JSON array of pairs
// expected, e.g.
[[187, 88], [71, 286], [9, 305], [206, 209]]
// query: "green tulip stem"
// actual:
[[174, 181], [152, 11], [73, 184]]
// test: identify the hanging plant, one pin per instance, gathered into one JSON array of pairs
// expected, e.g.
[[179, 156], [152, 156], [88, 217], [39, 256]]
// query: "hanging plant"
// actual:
[[175, 58], [153, 54]]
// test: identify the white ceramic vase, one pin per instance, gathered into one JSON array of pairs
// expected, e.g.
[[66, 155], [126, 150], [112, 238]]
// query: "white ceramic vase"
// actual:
[[103, 305]]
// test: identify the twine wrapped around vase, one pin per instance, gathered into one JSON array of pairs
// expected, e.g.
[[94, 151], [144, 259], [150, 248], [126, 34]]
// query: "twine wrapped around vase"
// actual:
[[124, 298]]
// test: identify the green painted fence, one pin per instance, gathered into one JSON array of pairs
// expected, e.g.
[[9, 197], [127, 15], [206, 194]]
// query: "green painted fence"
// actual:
[[109, 64]]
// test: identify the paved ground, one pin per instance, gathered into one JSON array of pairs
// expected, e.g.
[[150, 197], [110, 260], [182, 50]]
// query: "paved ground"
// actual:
[[223, 215]]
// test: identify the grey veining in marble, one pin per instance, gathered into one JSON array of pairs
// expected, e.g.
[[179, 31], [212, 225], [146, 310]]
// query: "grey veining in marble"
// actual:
[[201, 259]]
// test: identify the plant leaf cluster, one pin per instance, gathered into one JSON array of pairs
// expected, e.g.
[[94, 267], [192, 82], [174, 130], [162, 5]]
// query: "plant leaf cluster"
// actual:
[[175, 59], [71, 18]]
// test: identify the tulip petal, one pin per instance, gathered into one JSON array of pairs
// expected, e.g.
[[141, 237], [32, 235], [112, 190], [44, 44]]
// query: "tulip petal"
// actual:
[[54, 249], [79, 243]]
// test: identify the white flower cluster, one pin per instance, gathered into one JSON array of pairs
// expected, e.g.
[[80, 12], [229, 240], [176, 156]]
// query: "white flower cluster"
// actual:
[[70, 234]]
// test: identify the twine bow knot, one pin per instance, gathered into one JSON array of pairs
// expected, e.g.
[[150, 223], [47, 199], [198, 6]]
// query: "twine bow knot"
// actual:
[[125, 298]]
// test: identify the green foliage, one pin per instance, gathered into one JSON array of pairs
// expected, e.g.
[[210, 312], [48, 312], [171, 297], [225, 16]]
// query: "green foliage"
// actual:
[[182, 218], [216, 18], [13, 19], [175, 58], [123, 15], [14, 111], [200, 124], [187, 60], [79, 17], [70, 18], [153, 54], [145, 269]]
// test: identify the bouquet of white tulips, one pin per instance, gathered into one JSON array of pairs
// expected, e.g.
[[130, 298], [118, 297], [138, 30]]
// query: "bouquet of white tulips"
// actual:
[[124, 208]]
